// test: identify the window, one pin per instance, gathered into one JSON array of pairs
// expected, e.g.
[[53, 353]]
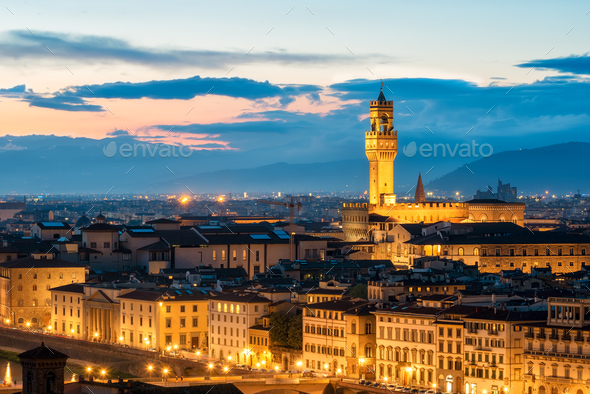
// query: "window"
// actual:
[[244, 254], [168, 322], [34, 287], [195, 321], [183, 339], [168, 308], [234, 254], [93, 244], [353, 328], [195, 308], [107, 245], [214, 255], [182, 323], [182, 309]]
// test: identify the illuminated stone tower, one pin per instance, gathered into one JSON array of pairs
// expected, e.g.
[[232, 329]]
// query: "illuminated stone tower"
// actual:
[[381, 149]]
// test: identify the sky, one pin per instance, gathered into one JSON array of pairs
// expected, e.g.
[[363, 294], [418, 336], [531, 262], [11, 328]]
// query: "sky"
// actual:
[[289, 81]]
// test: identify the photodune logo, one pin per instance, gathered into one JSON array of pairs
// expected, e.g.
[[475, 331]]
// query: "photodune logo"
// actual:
[[146, 150], [442, 150]]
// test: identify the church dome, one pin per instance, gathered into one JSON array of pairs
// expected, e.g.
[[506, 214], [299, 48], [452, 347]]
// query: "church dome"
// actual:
[[83, 221]]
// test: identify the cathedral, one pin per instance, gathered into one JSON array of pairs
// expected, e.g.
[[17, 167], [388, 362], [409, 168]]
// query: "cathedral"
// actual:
[[382, 212]]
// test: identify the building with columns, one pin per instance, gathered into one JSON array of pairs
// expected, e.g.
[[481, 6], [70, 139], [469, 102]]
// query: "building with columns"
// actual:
[[383, 212], [101, 313]]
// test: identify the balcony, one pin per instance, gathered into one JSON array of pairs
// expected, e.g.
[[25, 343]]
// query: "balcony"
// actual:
[[529, 334], [541, 336], [492, 332], [554, 337], [566, 337], [579, 339]]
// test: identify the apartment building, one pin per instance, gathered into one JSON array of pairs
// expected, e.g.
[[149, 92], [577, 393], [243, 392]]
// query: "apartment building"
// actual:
[[557, 350], [168, 320], [494, 350], [407, 345], [325, 343], [231, 316], [67, 306]]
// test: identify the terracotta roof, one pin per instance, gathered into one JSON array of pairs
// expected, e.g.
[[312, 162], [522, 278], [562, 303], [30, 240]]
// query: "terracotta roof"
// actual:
[[70, 288], [30, 262], [41, 353]]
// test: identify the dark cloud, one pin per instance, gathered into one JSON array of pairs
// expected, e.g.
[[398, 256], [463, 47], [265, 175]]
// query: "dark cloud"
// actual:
[[72, 98], [572, 64], [21, 45], [62, 102], [12, 91]]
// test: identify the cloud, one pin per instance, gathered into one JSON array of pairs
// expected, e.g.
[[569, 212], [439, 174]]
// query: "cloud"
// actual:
[[73, 98], [62, 102], [16, 91], [90, 49], [572, 64]]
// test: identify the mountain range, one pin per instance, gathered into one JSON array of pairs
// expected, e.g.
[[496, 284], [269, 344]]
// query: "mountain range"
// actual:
[[64, 165]]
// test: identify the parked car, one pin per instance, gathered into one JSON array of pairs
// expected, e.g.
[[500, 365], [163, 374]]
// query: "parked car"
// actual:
[[362, 382], [406, 390], [242, 366], [414, 391], [368, 383], [399, 388], [376, 384], [422, 392]]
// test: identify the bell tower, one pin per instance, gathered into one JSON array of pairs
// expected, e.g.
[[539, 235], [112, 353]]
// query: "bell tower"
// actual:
[[381, 149]]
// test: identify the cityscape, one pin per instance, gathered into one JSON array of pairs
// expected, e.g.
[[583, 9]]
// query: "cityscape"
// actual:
[[359, 205]]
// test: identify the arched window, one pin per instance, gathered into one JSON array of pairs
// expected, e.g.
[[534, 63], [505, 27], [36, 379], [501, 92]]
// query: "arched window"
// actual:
[[353, 350], [484, 218], [554, 390], [353, 328], [47, 302], [21, 303], [461, 251], [35, 302], [476, 251], [34, 287], [368, 328], [34, 320], [56, 235], [514, 220], [20, 288], [225, 307], [219, 307], [368, 351], [21, 320]]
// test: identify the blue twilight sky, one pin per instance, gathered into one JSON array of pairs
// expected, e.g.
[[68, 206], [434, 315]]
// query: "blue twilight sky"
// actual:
[[291, 81]]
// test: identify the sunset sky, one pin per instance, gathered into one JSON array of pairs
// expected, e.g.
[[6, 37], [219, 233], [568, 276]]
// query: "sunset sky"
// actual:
[[240, 76]]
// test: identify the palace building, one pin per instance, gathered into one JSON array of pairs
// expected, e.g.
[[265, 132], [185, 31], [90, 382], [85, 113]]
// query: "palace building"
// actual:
[[365, 221]]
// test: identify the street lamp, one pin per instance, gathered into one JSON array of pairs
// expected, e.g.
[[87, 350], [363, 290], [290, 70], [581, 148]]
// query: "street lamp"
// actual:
[[210, 370], [150, 368], [103, 372], [165, 374], [89, 370]]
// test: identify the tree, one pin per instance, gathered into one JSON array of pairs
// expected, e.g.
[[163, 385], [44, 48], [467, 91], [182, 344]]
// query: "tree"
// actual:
[[359, 291], [287, 331]]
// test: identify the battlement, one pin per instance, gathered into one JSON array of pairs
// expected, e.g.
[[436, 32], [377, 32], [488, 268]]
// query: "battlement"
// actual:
[[381, 103], [390, 133], [352, 205]]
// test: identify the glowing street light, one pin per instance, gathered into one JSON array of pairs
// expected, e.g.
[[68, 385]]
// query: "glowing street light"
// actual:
[[165, 373], [150, 368], [103, 373], [89, 370], [28, 324]]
